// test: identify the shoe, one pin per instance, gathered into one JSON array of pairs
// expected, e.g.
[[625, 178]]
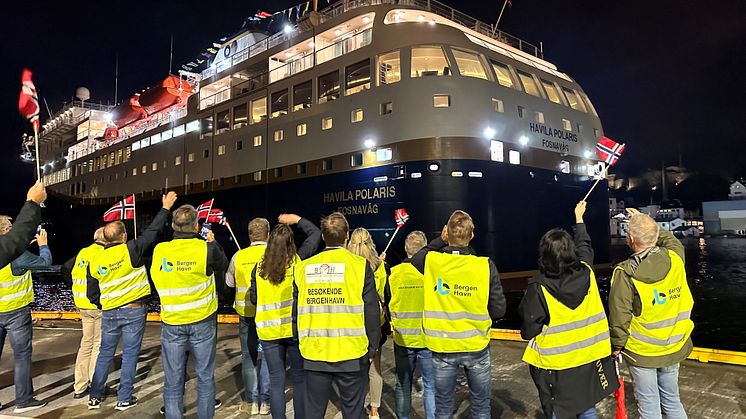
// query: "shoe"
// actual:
[[218, 403], [132, 402], [264, 410], [254, 408], [163, 410], [81, 394], [244, 407], [30, 405], [94, 403]]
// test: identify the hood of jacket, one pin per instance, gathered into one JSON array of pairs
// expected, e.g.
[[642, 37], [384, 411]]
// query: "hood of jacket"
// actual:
[[649, 266], [569, 289]]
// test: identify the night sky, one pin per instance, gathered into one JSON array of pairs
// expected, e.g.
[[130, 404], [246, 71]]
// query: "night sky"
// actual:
[[665, 76]]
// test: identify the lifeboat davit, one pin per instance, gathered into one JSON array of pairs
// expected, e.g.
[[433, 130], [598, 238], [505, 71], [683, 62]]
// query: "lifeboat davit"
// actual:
[[165, 94], [127, 112]]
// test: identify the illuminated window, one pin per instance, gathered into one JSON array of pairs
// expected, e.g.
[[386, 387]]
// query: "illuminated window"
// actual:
[[356, 159], [429, 61], [552, 92], [496, 150], [301, 129], [179, 130], [357, 77], [389, 68], [329, 87], [502, 73], [135, 146], [529, 84], [134, 171], [469, 64], [166, 135], [144, 168], [221, 149], [279, 135], [441, 101], [240, 116], [514, 157], [574, 99], [206, 127], [497, 105], [154, 166], [190, 157], [566, 124], [279, 103], [356, 115], [384, 154], [258, 110], [193, 126], [257, 176], [222, 122], [177, 161], [589, 105], [326, 123], [302, 96], [257, 140], [565, 166], [278, 172], [540, 117], [387, 108]]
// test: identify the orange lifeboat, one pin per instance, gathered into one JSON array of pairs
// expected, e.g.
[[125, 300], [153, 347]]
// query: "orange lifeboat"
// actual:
[[127, 112], [165, 94]]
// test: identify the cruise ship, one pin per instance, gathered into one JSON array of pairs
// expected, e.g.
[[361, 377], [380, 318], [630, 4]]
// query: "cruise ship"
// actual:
[[362, 107]]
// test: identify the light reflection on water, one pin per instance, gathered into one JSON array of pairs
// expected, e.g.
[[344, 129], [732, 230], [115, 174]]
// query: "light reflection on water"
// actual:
[[716, 269]]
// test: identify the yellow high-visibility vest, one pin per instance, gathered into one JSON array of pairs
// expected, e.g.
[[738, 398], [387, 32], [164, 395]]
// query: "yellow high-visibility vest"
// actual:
[[274, 306], [120, 282], [245, 261], [456, 291], [179, 272], [80, 278], [331, 312], [406, 305], [16, 291], [573, 337], [665, 324]]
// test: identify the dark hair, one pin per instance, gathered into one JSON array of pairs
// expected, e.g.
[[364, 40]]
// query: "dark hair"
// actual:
[[184, 219], [557, 254], [334, 229], [279, 255], [258, 229]]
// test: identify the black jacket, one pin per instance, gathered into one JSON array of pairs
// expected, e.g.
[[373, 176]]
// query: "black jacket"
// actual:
[[24, 228], [496, 302], [137, 249]]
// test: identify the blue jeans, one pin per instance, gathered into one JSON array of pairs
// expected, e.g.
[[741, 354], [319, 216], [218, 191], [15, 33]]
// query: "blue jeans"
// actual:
[[128, 324], [253, 381], [656, 389], [406, 361], [478, 375], [199, 339], [17, 325], [275, 353], [588, 414]]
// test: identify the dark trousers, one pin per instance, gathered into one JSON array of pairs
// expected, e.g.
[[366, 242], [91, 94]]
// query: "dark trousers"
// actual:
[[275, 353], [352, 386]]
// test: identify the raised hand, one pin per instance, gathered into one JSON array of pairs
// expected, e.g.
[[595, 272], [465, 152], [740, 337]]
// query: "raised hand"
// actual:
[[288, 219], [41, 238], [580, 211], [37, 193], [169, 199]]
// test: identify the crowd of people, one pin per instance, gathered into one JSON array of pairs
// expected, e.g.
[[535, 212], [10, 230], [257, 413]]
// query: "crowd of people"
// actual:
[[327, 314]]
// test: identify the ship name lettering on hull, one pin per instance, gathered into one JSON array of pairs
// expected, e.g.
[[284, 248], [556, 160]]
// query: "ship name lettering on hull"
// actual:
[[553, 132], [363, 194], [555, 145], [362, 209]]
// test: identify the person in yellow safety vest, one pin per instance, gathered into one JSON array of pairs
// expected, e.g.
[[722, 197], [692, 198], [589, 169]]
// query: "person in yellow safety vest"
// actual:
[[406, 288], [16, 293], [361, 244], [272, 283], [338, 322], [183, 272], [14, 243], [255, 375], [564, 320], [118, 285], [463, 296], [650, 308], [75, 272]]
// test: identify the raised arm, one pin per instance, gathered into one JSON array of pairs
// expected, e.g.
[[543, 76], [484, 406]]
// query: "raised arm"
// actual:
[[15, 242], [142, 244], [313, 234], [582, 239]]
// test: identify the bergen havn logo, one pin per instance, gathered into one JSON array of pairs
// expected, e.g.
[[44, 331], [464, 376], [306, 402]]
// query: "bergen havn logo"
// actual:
[[658, 297], [167, 266], [81, 264], [103, 270], [442, 287]]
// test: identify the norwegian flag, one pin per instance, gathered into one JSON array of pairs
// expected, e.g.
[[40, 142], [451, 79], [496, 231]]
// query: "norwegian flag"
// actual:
[[609, 150], [217, 216], [122, 210], [205, 209], [28, 101], [263, 15], [401, 217]]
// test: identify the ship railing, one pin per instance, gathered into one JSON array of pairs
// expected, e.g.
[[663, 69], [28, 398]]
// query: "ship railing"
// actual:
[[344, 46], [236, 88]]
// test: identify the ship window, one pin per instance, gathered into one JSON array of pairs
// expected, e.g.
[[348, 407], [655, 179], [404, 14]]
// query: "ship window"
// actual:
[[514, 157], [384, 154], [529, 84], [179, 130], [329, 87], [279, 135], [206, 127], [580, 128], [469, 64], [118, 158], [357, 77], [111, 159], [387, 108], [502, 73], [326, 164], [356, 115], [389, 68], [221, 149], [300, 169], [239, 145], [429, 61], [134, 171], [257, 176], [145, 142], [155, 139], [356, 160], [566, 124], [206, 153], [497, 105], [301, 129], [190, 157], [237, 179], [552, 92], [258, 110], [166, 135], [540, 117], [257, 140], [154, 166], [193, 126], [240, 116], [574, 99], [521, 112], [496, 151], [144, 168], [135, 146], [302, 96], [327, 123], [278, 172], [589, 104], [564, 166], [177, 161], [279, 103], [441, 101]]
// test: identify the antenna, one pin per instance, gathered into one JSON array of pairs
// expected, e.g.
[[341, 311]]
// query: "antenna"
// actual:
[[171, 55], [116, 77]]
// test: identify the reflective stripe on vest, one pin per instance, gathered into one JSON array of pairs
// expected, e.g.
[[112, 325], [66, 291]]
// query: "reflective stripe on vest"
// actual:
[[16, 291], [274, 310], [331, 319], [456, 291], [244, 262], [120, 283], [573, 337], [664, 325], [179, 272], [79, 275]]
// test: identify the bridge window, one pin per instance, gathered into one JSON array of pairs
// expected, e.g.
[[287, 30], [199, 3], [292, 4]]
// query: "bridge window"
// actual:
[[205, 128], [429, 61], [329, 87], [552, 92], [326, 164], [302, 96], [502, 73], [278, 172], [300, 169], [178, 130], [469, 64], [389, 68], [279, 103], [357, 77], [529, 84], [257, 176], [240, 116], [301, 129], [258, 110], [222, 122], [574, 99], [193, 126], [589, 104], [441, 101]]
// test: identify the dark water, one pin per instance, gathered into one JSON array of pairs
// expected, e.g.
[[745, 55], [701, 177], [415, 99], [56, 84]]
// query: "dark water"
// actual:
[[716, 269]]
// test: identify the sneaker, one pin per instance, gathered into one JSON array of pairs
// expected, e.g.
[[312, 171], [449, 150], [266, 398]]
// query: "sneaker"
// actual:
[[30, 405], [163, 410], [254, 408], [94, 403], [264, 410], [218, 403], [132, 402], [81, 394], [244, 407]]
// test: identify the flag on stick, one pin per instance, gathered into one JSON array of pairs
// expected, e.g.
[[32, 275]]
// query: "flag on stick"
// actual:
[[401, 217], [122, 210], [609, 150], [203, 211], [216, 216], [621, 407], [28, 105]]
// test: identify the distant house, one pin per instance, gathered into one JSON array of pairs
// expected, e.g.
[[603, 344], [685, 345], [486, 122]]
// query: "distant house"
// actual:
[[724, 217], [670, 224], [686, 231], [737, 190]]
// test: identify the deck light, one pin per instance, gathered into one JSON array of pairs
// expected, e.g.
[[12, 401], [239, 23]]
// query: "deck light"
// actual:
[[311, 44], [338, 32], [366, 19], [288, 29], [587, 154], [523, 140], [432, 22], [369, 143], [489, 133], [421, 18]]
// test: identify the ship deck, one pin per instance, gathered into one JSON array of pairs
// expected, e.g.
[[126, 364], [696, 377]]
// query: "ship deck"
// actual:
[[707, 390]]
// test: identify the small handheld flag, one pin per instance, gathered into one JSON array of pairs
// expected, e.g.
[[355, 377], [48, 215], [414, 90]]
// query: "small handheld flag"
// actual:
[[216, 216], [609, 150], [621, 406], [401, 217], [28, 105], [122, 210], [204, 210]]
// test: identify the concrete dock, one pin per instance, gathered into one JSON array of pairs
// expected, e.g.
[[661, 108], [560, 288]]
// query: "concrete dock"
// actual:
[[707, 390]]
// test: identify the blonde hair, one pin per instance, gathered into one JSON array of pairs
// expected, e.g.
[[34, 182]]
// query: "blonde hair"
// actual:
[[5, 224], [460, 229], [415, 241], [361, 244], [98, 236], [643, 230]]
